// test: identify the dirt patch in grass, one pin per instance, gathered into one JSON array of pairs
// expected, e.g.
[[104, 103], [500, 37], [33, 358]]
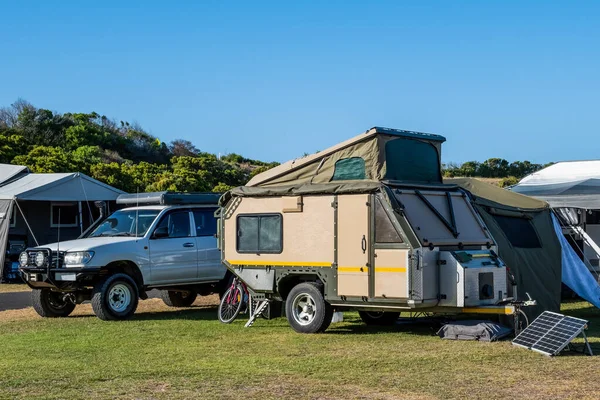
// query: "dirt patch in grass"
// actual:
[[13, 287]]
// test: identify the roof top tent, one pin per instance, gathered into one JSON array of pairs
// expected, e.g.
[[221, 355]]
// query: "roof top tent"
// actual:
[[572, 189], [371, 223], [36, 208]]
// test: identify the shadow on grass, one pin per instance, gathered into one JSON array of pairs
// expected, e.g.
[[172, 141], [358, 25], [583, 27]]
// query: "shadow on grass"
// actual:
[[200, 313]]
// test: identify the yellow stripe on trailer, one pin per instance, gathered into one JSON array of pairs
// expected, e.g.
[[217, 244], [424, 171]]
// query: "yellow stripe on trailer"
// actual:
[[264, 263], [353, 269], [390, 269], [503, 310]]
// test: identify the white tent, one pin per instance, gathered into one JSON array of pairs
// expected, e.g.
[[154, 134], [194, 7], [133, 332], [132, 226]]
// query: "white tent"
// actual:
[[572, 184], [17, 185]]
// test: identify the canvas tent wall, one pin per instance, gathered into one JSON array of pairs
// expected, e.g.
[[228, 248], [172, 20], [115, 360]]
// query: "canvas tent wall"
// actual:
[[376, 155], [523, 228], [26, 206]]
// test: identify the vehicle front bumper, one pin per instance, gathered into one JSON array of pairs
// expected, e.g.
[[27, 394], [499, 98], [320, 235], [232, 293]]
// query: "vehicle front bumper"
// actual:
[[61, 278]]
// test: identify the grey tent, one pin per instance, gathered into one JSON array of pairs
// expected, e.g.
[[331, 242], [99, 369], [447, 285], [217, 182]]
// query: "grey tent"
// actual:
[[31, 205]]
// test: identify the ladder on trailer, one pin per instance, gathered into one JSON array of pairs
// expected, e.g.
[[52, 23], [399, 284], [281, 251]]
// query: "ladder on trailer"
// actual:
[[255, 313]]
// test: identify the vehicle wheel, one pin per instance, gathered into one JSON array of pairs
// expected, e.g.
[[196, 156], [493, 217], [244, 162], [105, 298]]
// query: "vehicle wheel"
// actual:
[[379, 318], [115, 298], [306, 308], [231, 304], [49, 304], [178, 299]]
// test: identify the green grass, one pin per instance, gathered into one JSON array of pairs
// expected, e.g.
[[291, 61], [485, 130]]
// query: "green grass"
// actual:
[[165, 353]]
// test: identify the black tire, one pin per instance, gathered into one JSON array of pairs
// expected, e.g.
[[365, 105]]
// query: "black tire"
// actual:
[[379, 318], [49, 304], [124, 299], [178, 299], [312, 317], [231, 304]]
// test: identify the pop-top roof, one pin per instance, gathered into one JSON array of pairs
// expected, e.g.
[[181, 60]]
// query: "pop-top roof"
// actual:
[[378, 154]]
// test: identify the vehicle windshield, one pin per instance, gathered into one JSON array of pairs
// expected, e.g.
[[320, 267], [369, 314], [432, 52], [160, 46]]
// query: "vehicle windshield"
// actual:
[[123, 223]]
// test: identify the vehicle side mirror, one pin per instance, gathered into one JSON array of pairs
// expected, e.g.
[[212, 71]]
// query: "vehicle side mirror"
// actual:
[[161, 232]]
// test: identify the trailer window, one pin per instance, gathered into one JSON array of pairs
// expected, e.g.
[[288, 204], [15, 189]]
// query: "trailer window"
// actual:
[[519, 231], [260, 233], [349, 168], [411, 160], [384, 229]]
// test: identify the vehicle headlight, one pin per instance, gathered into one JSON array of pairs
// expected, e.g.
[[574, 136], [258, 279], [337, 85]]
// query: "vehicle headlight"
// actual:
[[40, 259], [24, 259], [78, 257]]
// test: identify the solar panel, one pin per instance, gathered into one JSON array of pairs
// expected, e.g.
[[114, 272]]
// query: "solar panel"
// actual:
[[550, 333]]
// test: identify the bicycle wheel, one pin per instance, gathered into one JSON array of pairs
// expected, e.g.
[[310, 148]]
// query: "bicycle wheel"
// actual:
[[231, 304]]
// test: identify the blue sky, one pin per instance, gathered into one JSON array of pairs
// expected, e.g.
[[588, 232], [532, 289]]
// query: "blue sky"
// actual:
[[273, 80]]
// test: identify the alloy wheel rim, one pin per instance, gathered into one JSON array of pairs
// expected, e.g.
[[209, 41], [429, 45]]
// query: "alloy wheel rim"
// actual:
[[304, 309]]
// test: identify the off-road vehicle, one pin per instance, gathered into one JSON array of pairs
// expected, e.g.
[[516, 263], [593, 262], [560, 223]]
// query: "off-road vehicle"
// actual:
[[166, 241]]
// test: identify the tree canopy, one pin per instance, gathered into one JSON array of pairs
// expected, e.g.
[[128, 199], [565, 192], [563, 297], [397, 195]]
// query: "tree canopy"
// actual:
[[127, 157]]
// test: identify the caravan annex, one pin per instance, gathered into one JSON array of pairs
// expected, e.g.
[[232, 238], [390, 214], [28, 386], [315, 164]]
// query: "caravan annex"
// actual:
[[36, 208]]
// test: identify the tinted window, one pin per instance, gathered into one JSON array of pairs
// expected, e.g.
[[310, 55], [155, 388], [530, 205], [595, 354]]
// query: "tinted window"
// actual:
[[260, 233], [178, 224], [349, 168], [412, 160], [206, 223], [65, 214], [519, 231], [384, 230]]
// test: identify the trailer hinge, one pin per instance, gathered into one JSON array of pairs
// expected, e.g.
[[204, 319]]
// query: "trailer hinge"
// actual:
[[334, 204]]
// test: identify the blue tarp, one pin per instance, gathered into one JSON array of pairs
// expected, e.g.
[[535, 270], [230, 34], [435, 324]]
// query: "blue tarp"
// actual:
[[575, 273]]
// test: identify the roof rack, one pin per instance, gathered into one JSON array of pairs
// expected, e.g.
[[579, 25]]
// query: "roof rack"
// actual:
[[168, 198]]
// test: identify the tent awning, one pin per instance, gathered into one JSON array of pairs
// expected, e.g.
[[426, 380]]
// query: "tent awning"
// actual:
[[58, 187], [566, 184]]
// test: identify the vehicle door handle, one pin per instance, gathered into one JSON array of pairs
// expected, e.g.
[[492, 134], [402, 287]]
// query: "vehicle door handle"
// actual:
[[188, 244]]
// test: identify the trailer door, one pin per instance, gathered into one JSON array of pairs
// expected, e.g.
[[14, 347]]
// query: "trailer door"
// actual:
[[390, 273], [353, 245]]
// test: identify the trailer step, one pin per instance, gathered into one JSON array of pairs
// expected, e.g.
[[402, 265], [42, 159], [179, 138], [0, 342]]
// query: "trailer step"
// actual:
[[262, 306]]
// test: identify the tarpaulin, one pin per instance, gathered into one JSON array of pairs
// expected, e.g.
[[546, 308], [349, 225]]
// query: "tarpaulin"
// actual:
[[575, 273]]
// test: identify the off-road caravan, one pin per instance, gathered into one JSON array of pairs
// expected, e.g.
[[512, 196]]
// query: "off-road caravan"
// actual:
[[365, 225]]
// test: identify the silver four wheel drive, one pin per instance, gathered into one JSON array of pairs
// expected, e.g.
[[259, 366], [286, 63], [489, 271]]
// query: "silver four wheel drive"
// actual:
[[169, 246]]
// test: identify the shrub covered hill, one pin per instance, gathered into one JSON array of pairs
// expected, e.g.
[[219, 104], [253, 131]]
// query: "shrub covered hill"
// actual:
[[118, 153], [125, 156]]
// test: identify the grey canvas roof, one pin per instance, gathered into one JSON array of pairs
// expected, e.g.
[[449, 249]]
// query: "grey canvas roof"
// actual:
[[58, 187], [10, 171], [565, 184]]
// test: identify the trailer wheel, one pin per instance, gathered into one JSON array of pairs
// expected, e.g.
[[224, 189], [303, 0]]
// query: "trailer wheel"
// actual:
[[379, 318], [49, 304], [306, 308], [115, 298], [178, 299]]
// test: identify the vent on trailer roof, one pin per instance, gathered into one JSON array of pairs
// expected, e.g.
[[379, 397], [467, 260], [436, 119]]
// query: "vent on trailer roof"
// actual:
[[167, 198]]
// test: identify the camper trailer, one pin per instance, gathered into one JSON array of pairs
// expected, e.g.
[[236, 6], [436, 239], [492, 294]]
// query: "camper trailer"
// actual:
[[366, 225]]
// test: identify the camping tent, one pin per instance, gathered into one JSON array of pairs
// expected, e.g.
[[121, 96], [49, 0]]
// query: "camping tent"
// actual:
[[574, 184], [523, 228], [30, 205]]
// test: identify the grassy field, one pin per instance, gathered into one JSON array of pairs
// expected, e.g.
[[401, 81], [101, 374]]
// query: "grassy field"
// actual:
[[185, 353]]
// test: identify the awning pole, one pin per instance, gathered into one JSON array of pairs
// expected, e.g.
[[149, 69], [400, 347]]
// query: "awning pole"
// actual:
[[26, 223], [80, 218]]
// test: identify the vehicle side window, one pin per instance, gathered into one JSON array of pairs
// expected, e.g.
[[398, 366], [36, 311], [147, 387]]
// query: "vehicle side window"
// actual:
[[177, 224], [260, 233], [206, 223]]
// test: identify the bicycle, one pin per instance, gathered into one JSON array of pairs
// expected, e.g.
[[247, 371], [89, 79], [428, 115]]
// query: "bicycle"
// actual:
[[235, 299]]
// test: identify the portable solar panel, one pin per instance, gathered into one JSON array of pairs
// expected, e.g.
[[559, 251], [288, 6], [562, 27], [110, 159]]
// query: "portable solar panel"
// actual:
[[550, 333]]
